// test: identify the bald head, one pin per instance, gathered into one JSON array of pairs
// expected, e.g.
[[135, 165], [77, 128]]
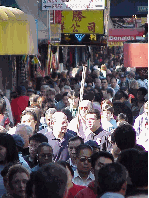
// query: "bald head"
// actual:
[[59, 124]]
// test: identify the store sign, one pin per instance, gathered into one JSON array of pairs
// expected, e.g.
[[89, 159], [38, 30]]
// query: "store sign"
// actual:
[[142, 8], [82, 22], [111, 44], [73, 5], [121, 38]]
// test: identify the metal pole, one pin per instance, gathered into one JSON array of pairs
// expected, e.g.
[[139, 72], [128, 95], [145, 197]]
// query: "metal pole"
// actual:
[[49, 40]]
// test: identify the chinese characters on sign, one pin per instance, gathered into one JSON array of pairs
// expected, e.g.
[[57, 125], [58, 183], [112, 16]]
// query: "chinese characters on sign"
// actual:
[[83, 22], [73, 4]]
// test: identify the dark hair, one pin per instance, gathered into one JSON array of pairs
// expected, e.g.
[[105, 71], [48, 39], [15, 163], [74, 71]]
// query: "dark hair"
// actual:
[[96, 112], [82, 147], [143, 90], [68, 113], [125, 136], [17, 168], [66, 165], [111, 177], [110, 91], [2, 105], [121, 116], [38, 137], [96, 156], [7, 141], [103, 79], [109, 108], [50, 181], [42, 145], [6, 168], [113, 77], [120, 94], [136, 163], [30, 112], [76, 138]]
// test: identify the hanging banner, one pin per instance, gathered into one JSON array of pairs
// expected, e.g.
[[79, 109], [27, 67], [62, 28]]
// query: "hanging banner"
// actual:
[[83, 22]]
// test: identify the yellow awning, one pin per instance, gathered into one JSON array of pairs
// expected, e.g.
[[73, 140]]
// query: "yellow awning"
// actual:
[[18, 34]]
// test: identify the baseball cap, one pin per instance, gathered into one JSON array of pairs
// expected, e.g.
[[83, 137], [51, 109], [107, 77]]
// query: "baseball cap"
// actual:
[[18, 140]]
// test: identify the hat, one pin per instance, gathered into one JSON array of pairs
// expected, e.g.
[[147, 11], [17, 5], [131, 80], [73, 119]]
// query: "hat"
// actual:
[[92, 143], [18, 140]]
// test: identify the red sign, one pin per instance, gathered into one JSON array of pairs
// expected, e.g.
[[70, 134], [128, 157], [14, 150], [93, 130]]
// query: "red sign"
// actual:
[[122, 34]]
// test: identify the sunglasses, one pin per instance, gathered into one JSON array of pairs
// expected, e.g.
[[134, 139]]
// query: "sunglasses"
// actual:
[[83, 159]]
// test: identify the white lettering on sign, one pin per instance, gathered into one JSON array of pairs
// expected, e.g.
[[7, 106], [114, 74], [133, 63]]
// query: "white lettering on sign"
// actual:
[[121, 38]]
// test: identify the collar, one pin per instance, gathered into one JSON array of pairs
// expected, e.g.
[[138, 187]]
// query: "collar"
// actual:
[[71, 164], [98, 130], [112, 195], [90, 176]]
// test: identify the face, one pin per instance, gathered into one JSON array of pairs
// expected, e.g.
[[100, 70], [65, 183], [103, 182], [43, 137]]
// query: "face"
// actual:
[[83, 111], [113, 82], [65, 100], [140, 96], [3, 152], [99, 163], [107, 114], [18, 185], [97, 82], [123, 79], [45, 155], [29, 120], [33, 145], [48, 119], [91, 121], [59, 124], [104, 84], [43, 92], [72, 148], [84, 161]]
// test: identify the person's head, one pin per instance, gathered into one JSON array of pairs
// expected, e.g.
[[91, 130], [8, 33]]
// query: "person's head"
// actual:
[[33, 100], [34, 142], [84, 107], [122, 77], [133, 84], [2, 105], [99, 159], [70, 172], [93, 119], [21, 90], [59, 124], [113, 82], [141, 92], [108, 112], [25, 132], [65, 98], [125, 136], [68, 113], [97, 82], [17, 178], [106, 103], [104, 83], [19, 142], [72, 144], [94, 145], [120, 96], [8, 149], [43, 90], [48, 116], [113, 178], [50, 94], [50, 181], [121, 118], [108, 77], [29, 118], [44, 153], [131, 158], [83, 155], [30, 92]]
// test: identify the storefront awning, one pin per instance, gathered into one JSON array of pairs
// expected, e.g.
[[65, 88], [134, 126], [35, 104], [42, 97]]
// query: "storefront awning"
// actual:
[[117, 37], [18, 34]]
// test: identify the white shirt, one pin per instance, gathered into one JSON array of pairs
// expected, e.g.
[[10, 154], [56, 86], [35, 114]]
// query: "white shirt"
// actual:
[[112, 195], [79, 181]]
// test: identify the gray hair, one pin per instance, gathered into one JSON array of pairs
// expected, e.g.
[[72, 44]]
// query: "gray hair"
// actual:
[[46, 87], [50, 111], [25, 127]]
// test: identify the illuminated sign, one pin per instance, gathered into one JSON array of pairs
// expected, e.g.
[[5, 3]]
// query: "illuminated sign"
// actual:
[[79, 36], [93, 37]]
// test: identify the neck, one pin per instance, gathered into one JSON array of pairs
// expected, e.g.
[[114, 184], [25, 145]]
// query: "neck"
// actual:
[[83, 175]]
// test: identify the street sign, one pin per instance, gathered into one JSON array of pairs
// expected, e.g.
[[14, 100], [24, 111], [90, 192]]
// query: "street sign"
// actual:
[[73, 4]]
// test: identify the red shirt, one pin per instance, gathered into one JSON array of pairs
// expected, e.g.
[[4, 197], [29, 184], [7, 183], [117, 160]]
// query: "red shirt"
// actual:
[[17, 106], [74, 190]]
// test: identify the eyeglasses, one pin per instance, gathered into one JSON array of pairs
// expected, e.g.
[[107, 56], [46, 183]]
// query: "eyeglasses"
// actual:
[[83, 159]]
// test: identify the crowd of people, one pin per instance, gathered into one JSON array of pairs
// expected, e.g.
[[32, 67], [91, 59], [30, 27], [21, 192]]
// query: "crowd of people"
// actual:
[[54, 145]]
